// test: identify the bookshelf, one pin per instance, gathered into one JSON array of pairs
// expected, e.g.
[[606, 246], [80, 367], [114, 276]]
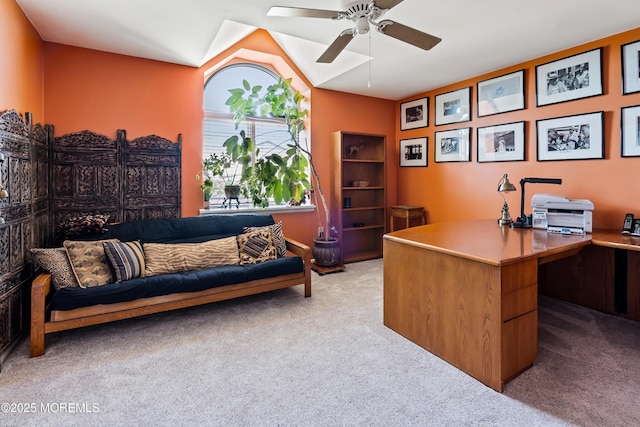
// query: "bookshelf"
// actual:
[[358, 193]]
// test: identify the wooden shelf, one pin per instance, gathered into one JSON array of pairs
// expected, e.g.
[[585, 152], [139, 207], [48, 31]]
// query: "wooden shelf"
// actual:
[[363, 208], [362, 161], [366, 227], [362, 188], [363, 256]]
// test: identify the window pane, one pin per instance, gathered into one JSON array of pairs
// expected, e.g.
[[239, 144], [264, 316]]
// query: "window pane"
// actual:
[[218, 124], [216, 89], [269, 136]]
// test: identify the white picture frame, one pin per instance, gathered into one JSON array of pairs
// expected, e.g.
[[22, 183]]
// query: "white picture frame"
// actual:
[[501, 143], [414, 114], [452, 145], [576, 137], [453, 107], [630, 131]]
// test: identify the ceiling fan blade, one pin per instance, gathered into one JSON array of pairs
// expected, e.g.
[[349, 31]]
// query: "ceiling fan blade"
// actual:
[[407, 34], [300, 12], [337, 46], [386, 4]]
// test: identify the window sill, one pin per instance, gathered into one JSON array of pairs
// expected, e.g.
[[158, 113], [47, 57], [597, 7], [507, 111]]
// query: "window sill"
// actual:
[[269, 210]]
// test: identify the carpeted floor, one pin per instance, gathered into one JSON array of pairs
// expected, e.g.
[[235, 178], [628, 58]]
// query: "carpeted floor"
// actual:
[[280, 359]]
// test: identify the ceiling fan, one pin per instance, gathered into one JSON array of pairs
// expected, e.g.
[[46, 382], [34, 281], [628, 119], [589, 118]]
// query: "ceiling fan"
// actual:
[[364, 14]]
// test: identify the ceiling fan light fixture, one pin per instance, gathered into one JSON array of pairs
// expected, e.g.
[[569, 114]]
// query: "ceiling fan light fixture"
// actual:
[[362, 25]]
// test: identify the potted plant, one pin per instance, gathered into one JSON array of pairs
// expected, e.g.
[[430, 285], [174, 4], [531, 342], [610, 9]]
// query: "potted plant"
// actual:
[[282, 176], [207, 188], [223, 166]]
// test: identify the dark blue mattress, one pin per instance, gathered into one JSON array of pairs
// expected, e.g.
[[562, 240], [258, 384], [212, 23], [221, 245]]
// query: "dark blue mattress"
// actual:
[[164, 284]]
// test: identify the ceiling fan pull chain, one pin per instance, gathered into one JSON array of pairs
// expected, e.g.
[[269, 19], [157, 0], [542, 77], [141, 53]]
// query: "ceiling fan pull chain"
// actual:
[[369, 82]]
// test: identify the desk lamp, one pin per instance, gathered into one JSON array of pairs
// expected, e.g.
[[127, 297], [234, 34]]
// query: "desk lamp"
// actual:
[[523, 220], [505, 186]]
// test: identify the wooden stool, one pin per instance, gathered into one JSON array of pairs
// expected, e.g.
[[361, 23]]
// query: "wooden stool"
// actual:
[[406, 212]]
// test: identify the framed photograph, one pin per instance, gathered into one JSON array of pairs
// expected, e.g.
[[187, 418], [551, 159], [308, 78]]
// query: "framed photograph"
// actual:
[[571, 137], [630, 131], [630, 67], [501, 94], [452, 145], [414, 114], [501, 143], [575, 77], [453, 107], [413, 152]]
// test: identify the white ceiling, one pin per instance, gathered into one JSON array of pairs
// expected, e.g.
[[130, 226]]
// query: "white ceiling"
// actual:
[[477, 36]]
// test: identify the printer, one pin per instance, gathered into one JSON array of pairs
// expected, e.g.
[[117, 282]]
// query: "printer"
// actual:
[[558, 214]]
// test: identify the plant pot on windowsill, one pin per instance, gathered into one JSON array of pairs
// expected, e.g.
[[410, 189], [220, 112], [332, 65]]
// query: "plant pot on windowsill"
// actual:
[[326, 252], [232, 191]]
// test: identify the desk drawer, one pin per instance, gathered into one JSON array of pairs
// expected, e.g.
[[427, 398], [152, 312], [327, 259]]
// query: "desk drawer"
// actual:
[[519, 289]]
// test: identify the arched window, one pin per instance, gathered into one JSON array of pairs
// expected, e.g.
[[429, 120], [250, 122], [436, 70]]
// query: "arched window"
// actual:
[[219, 125]]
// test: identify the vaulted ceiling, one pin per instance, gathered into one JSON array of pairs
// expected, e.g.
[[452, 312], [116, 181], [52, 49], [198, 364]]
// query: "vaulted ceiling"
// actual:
[[477, 36]]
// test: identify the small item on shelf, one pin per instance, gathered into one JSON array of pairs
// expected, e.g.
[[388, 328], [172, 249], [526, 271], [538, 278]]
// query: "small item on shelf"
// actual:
[[347, 202], [359, 183], [358, 224]]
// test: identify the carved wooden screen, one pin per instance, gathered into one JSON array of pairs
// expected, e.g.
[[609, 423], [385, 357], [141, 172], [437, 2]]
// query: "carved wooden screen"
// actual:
[[151, 182], [128, 180], [25, 213], [86, 176]]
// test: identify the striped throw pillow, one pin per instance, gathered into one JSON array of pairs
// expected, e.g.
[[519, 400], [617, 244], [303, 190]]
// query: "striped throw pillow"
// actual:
[[164, 258], [126, 259]]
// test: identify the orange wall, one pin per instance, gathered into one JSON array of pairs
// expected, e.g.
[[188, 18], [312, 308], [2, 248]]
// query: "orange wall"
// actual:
[[334, 111], [456, 191], [21, 63], [104, 92]]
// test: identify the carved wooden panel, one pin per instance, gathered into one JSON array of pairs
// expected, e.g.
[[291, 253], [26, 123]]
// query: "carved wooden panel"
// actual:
[[152, 177], [24, 169], [85, 176], [125, 179]]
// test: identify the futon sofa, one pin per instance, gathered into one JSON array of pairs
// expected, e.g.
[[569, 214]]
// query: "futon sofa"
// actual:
[[167, 245]]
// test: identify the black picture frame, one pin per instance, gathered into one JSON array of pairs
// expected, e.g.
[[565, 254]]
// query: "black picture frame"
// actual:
[[501, 143], [453, 107], [630, 57], [414, 152], [414, 114], [501, 94], [574, 77], [577, 137], [452, 145], [630, 131]]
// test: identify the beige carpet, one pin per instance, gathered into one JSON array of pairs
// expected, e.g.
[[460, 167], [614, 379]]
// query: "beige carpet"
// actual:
[[282, 360]]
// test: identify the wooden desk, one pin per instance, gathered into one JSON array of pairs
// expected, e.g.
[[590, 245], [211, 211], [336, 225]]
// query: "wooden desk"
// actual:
[[604, 276], [467, 292]]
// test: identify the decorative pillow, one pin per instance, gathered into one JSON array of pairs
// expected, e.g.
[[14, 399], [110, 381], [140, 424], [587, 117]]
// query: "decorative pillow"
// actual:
[[89, 262], [256, 246], [77, 226], [277, 235], [126, 259], [56, 262], [164, 258]]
